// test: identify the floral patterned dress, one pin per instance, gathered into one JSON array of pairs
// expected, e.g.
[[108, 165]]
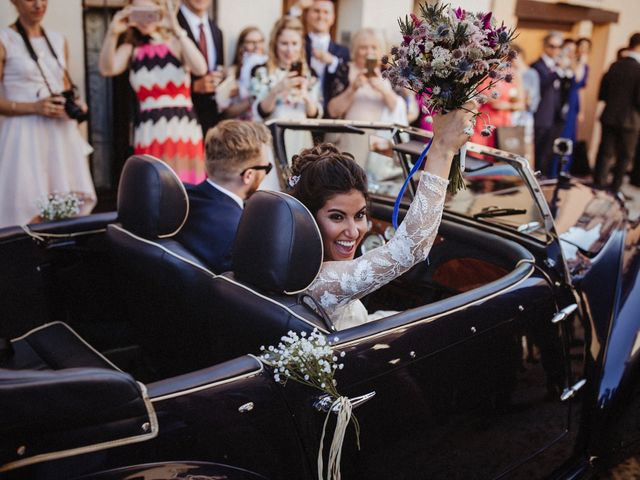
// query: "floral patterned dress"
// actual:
[[341, 284]]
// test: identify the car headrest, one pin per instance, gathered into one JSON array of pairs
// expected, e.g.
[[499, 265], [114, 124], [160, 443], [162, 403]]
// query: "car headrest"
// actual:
[[152, 201], [278, 247]]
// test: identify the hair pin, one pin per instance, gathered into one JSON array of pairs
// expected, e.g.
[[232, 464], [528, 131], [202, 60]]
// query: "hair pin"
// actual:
[[293, 180]]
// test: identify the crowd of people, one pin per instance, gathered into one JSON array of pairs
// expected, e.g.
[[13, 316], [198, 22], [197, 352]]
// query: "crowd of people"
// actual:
[[173, 53]]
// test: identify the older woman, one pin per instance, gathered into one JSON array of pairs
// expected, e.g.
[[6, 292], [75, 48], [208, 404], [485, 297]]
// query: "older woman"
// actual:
[[42, 150], [360, 93]]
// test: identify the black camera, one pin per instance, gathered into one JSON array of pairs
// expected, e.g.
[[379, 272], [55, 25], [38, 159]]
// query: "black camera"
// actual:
[[72, 109], [563, 146]]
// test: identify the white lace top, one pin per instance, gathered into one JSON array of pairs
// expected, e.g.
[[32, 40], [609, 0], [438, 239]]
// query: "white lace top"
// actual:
[[341, 283]]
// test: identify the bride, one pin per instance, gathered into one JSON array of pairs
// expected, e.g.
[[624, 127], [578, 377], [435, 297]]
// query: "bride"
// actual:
[[333, 187]]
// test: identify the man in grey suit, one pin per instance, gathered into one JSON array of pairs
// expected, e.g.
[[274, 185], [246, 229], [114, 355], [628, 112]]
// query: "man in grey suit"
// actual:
[[620, 119]]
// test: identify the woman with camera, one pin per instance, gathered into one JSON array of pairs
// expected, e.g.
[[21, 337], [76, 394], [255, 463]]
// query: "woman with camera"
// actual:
[[42, 150], [146, 38]]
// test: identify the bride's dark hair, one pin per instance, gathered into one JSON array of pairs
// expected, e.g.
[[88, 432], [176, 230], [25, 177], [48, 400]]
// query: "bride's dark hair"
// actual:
[[323, 171]]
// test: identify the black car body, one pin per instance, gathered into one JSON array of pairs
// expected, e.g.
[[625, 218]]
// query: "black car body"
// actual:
[[514, 352]]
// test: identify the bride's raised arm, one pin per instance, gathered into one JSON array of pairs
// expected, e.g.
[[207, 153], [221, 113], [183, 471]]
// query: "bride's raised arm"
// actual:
[[340, 282]]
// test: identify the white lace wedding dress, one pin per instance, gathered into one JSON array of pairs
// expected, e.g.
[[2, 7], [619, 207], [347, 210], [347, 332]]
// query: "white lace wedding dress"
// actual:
[[341, 284]]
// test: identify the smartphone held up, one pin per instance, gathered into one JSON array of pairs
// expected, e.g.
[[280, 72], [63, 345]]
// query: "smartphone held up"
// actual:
[[144, 15]]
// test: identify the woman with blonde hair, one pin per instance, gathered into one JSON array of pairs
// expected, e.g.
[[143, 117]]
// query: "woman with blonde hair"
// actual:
[[160, 57], [285, 87]]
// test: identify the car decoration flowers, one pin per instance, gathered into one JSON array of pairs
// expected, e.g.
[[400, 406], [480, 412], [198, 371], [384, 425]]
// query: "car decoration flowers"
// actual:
[[311, 360], [57, 206], [449, 57]]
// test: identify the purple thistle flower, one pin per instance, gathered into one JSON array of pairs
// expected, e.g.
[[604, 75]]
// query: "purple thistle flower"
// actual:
[[493, 74], [508, 78], [394, 51], [460, 13], [486, 21], [406, 39], [384, 60]]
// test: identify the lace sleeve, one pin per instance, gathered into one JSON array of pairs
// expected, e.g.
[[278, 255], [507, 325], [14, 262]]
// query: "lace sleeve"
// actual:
[[341, 282]]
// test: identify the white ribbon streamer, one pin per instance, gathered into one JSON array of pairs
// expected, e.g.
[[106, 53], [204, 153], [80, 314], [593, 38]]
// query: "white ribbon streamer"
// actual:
[[343, 404], [463, 156]]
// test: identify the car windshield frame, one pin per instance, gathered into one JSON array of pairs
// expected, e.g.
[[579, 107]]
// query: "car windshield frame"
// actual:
[[541, 231]]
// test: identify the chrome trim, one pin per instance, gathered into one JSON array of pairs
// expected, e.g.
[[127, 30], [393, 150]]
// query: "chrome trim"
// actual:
[[206, 386], [41, 236], [564, 313], [324, 403], [571, 391]]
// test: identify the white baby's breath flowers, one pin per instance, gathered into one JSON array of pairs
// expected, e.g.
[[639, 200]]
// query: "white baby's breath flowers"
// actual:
[[57, 206], [304, 358]]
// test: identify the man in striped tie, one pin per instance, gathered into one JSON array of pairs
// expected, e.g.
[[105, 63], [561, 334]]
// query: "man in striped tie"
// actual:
[[194, 18]]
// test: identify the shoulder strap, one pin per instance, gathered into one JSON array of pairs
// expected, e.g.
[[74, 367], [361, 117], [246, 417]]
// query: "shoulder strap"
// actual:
[[23, 33]]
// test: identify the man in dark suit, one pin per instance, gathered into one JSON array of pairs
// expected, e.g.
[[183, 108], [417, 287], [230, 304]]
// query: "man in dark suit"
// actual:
[[237, 160], [194, 18], [548, 116], [620, 119], [323, 54]]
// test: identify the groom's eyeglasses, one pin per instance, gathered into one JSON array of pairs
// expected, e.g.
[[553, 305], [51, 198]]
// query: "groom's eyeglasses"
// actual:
[[266, 168]]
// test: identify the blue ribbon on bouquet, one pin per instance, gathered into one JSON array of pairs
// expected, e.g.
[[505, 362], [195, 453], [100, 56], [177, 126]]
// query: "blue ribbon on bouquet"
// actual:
[[414, 169]]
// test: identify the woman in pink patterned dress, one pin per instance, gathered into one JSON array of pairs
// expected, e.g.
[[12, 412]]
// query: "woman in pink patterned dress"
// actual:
[[160, 57]]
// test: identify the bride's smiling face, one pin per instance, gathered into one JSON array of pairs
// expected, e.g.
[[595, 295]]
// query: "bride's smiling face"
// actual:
[[343, 223]]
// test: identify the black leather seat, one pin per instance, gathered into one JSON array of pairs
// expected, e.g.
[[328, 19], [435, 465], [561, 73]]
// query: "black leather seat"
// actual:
[[186, 316], [277, 254], [166, 290], [58, 394]]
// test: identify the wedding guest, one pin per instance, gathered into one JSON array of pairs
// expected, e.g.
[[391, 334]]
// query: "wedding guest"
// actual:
[[42, 150], [193, 17], [548, 116], [250, 50], [334, 188], [620, 119], [322, 53], [285, 87], [530, 84], [577, 74], [359, 92], [159, 56], [237, 161]]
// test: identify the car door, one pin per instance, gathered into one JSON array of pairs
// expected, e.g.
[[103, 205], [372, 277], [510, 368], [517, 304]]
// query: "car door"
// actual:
[[468, 387]]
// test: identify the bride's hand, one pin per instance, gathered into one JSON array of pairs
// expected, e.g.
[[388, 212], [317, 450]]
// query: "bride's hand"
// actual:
[[449, 129]]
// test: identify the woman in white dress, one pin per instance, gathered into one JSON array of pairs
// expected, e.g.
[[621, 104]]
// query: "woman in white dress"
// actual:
[[334, 189], [42, 150], [285, 87]]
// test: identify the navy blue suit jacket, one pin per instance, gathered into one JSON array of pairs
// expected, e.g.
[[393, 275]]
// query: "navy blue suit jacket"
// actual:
[[211, 227], [205, 103], [548, 113], [336, 50]]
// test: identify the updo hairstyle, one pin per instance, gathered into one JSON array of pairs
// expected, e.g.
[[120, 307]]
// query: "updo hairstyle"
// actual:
[[323, 171]]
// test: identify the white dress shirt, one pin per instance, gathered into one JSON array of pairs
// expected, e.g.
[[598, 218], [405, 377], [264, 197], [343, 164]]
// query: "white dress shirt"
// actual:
[[321, 41], [194, 22], [228, 193]]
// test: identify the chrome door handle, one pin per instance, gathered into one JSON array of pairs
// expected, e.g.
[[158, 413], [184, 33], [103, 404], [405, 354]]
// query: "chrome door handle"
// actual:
[[571, 391], [323, 403], [564, 313]]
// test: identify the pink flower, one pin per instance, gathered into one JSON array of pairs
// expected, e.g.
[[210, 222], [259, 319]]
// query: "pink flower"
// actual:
[[460, 13], [416, 21]]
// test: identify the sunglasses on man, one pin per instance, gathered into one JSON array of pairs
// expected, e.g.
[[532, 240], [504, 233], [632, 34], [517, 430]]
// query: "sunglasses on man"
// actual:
[[266, 168]]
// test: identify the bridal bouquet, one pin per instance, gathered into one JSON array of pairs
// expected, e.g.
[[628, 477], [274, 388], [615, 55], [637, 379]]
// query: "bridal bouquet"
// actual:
[[310, 360], [450, 57], [57, 206]]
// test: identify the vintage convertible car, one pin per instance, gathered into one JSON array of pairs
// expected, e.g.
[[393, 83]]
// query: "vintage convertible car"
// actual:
[[513, 352]]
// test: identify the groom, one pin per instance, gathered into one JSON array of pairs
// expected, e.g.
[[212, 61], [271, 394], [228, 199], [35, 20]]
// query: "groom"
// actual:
[[237, 160]]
